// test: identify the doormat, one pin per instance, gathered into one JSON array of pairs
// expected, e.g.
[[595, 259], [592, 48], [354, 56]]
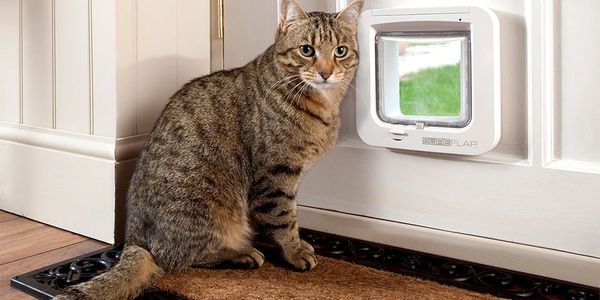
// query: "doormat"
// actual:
[[342, 264]]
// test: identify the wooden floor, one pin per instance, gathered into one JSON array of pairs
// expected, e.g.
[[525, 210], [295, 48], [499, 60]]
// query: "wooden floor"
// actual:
[[26, 245]]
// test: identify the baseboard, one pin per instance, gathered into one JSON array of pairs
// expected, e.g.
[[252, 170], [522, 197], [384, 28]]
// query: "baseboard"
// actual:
[[63, 179], [73, 181], [128, 148], [528, 259]]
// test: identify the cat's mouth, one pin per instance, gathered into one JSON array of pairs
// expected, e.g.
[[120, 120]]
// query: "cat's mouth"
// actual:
[[323, 84], [318, 82]]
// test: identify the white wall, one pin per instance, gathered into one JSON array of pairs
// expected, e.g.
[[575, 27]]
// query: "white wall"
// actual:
[[161, 45], [59, 66], [49, 66], [81, 82]]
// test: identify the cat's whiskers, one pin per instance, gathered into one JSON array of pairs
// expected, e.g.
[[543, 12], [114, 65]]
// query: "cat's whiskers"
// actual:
[[289, 93], [297, 94], [347, 83], [280, 83], [300, 92]]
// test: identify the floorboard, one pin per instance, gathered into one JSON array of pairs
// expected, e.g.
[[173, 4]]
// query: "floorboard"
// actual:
[[31, 263], [13, 236], [5, 216], [28, 245], [20, 238]]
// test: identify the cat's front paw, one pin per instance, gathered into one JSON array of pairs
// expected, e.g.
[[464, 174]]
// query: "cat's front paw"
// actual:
[[253, 259], [302, 257]]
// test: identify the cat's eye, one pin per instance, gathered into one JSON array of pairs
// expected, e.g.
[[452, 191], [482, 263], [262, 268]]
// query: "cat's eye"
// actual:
[[340, 51], [307, 50]]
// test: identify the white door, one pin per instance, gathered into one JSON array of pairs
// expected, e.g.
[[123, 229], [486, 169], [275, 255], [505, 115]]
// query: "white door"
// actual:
[[531, 204]]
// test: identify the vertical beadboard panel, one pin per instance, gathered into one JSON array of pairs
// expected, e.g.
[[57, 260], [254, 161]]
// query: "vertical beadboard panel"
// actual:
[[37, 63], [156, 74], [104, 67], [9, 60], [193, 36], [125, 51], [72, 83]]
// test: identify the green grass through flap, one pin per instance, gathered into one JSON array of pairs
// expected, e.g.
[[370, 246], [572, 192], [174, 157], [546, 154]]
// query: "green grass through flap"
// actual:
[[431, 92]]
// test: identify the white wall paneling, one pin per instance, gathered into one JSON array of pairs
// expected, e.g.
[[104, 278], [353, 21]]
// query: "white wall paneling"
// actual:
[[72, 66], [94, 74], [38, 77], [49, 70], [103, 62], [161, 45], [10, 60], [125, 19]]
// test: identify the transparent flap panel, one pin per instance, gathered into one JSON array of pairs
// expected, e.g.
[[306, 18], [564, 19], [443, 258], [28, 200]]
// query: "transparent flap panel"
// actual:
[[424, 77]]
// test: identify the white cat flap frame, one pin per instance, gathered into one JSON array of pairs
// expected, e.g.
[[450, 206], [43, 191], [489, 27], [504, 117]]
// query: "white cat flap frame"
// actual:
[[474, 31]]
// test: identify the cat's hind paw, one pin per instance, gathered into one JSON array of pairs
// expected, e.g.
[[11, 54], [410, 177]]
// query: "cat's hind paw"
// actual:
[[252, 260]]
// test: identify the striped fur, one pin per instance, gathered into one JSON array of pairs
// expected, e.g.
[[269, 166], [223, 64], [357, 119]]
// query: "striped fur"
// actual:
[[226, 156]]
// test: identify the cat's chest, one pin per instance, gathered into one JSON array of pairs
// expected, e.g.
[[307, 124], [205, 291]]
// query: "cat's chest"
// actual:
[[320, 126], [314, 143], [302, 144]]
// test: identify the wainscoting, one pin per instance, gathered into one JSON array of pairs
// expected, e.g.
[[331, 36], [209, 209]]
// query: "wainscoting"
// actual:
[[82, 82]]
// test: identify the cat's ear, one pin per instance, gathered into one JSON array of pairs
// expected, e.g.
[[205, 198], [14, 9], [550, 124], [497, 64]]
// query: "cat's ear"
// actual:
[[290, 12], [351, 13]]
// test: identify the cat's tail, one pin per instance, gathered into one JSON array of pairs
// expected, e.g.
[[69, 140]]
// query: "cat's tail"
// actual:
[[135, 271]]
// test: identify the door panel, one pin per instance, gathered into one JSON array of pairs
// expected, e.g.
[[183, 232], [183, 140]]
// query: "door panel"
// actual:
[[539, 187], [577, 111]]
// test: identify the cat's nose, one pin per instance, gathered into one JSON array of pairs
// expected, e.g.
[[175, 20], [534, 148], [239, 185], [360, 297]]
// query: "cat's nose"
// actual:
[[325, 75]]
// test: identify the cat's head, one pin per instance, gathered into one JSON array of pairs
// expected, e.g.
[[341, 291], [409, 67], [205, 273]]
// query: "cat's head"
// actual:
[[320, 48]]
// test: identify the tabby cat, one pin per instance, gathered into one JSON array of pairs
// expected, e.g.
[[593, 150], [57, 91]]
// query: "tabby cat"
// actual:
[[226, 156]]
